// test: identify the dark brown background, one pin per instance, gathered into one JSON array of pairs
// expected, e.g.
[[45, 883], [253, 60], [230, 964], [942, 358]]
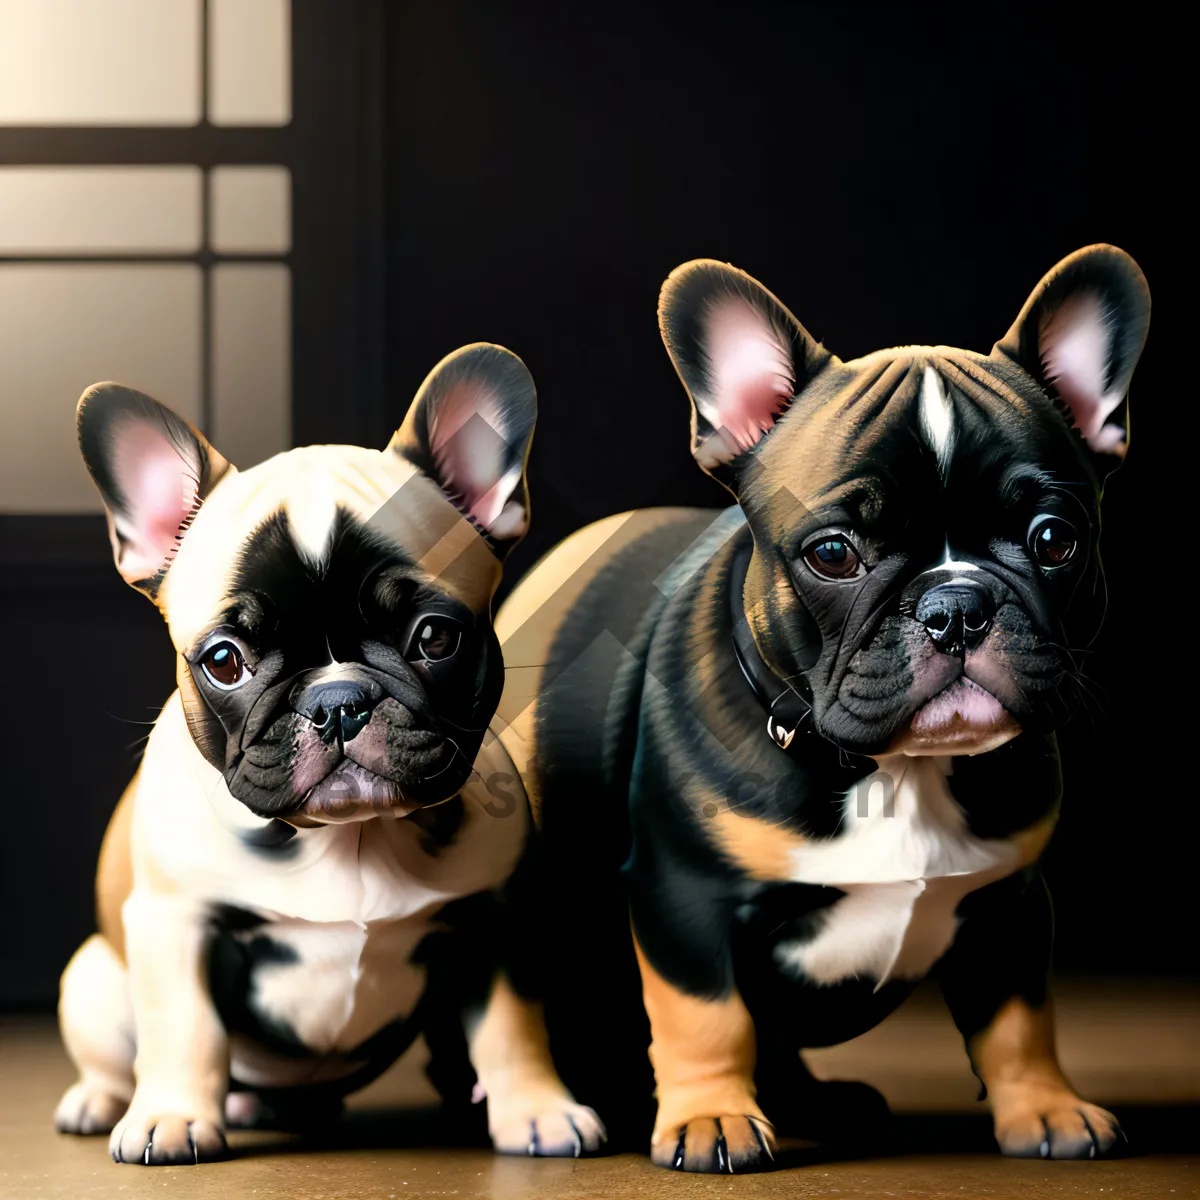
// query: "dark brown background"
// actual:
[[528, 174]]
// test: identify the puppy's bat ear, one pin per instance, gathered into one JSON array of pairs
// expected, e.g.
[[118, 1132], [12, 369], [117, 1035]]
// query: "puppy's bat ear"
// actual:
[[469, 429], [1080, 335], [153, 469], [742, 357]]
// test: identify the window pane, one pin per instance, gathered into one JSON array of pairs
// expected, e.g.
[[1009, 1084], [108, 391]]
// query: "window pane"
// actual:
[[65, 326], [99, 62], [90, 210], [252, 337], [249, 62], [251, 210]]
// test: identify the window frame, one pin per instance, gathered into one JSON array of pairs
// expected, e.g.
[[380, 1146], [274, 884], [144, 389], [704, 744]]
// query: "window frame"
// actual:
[[333, 151]]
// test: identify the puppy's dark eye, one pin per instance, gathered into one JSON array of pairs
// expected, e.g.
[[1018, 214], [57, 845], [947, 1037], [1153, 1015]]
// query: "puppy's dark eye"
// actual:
[[225, 666], [1053, 542], [833, 558], [434, 638]]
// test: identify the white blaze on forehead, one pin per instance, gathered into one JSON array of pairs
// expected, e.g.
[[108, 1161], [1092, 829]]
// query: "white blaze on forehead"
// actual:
[[950, 563], [937, 416], [312, 513]]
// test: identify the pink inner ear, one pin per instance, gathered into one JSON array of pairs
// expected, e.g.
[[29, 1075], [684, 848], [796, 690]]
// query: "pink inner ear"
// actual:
[[159, 487], [470, 453], [751, 374], [1075, 348]]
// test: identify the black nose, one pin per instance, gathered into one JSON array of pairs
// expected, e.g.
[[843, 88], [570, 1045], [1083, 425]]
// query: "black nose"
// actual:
[[339, 707], [956, 616]]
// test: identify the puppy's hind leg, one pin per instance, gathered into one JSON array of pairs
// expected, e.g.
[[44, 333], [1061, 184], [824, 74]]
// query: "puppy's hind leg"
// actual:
[[835, 1113], [838, 1114], [96, 1019]]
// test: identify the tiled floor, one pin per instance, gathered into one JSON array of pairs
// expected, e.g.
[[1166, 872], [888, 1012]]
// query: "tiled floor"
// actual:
[[1134, 1048]]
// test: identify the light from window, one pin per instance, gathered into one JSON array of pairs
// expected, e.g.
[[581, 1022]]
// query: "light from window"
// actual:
[[251, 210], [100, 62], [64, 326], [93, 210], [170, 275], [249, 62]]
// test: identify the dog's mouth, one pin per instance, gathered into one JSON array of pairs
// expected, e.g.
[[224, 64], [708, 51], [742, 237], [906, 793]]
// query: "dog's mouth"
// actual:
[[963, 718], [352, 793]]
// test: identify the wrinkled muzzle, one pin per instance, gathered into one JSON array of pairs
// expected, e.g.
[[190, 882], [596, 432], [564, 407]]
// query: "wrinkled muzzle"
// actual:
[[348, 742]]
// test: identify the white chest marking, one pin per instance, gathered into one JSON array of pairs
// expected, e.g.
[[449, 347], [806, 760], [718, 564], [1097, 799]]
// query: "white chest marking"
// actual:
[[905, 861], [346, 905], [339, 982]]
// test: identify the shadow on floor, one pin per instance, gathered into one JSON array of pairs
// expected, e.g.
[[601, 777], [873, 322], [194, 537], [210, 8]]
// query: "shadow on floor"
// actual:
[[1151, 1130]]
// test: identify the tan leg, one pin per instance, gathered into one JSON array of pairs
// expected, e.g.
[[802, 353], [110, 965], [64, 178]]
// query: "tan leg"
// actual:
[[1037, 1112], [182, 1066], [703, 1054], [96, 1019], [530, 1111]]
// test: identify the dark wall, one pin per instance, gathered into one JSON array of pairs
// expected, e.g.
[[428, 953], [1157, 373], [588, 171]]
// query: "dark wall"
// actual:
[[88, 664], [896, 174]]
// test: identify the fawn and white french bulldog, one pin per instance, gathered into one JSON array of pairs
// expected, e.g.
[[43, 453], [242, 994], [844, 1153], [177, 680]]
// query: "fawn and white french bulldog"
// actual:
[[306, 821]]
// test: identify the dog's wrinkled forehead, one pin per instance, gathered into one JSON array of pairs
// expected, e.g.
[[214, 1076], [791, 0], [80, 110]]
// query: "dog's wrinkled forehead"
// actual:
[[774, 409], [308, 494], [905, 424]]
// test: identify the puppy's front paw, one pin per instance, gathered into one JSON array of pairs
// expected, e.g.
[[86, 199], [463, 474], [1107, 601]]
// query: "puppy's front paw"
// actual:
[[728, 1145], [165, 1139], [554, 1127], [86, 1110], [1033, 1121]]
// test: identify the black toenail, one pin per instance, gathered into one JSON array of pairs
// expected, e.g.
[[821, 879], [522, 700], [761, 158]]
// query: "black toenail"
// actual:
[[723, 1164], [1095, 1141], [762, 1141], [680, 1150]]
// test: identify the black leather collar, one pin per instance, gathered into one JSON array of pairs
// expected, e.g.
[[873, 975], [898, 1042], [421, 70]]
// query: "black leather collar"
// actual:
[[788, 713]]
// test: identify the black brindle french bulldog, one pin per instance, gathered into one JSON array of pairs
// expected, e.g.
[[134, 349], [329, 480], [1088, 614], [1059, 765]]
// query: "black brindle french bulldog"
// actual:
[[830, 709], [306, 816]]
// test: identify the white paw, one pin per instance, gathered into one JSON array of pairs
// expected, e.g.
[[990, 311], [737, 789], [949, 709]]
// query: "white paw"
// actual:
[[157, 1139], [86, 1110], [557, 1128]]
